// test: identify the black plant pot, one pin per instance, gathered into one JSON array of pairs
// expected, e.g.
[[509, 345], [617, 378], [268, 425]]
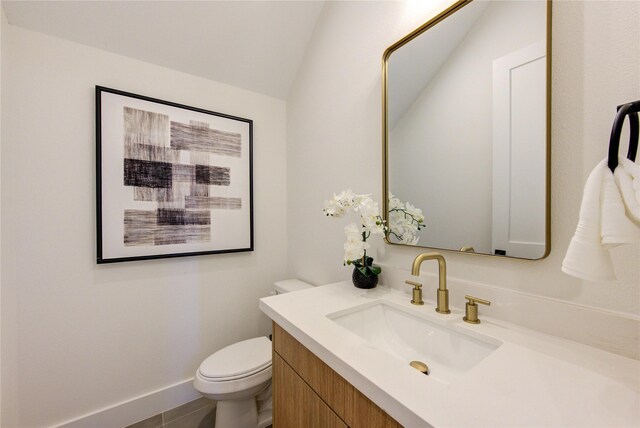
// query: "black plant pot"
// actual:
[[362, 281]]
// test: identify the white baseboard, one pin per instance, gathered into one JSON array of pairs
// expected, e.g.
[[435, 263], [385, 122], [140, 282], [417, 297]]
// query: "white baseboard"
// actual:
[[136, 409]]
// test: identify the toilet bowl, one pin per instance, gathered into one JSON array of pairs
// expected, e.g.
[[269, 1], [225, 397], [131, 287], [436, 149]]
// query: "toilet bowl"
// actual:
[[238, 377], [234, 376]]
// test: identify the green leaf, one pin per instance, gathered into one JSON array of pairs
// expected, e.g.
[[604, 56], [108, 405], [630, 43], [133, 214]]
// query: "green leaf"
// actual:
[[375, 269]]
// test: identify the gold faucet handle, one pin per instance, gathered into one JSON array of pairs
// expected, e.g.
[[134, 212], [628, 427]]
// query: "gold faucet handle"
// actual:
[[471, 312], [473, 300], [415, 284], [417, 292]]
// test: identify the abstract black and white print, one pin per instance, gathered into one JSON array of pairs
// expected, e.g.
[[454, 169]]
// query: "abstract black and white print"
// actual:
[[185, 179], [152, 166]]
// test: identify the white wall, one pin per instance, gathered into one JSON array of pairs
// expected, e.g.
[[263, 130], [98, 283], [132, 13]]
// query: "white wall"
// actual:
[[334, 141], [451, 120], [76, 336], [2, 24], [333, 125]]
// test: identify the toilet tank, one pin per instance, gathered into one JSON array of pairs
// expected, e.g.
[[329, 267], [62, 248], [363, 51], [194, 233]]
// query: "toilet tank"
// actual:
[[289, 285]]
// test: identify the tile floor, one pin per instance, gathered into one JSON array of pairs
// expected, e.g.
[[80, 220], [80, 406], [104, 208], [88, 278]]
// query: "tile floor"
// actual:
[[199, 413]]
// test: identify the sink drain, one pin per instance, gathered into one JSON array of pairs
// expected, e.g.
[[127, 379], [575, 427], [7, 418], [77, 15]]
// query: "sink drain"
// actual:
[[420, 366]]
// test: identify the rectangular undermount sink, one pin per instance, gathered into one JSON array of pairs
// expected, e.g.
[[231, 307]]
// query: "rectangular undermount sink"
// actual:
[[449, 352]]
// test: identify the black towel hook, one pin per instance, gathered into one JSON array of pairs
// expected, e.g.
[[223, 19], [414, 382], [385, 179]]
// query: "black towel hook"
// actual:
[[631, 110]]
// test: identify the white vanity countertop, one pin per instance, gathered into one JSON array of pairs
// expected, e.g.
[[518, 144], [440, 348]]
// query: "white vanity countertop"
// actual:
[[532, 379]]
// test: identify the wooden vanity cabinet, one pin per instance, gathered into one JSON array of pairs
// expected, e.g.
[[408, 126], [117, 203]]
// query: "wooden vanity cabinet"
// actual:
[[307, 393]]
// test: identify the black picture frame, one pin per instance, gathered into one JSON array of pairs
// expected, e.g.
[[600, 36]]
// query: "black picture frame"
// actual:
[[171, 180]]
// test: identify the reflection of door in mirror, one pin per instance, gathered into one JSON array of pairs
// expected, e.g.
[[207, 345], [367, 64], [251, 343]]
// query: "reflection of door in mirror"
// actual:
[[466, 128], [519, 160]]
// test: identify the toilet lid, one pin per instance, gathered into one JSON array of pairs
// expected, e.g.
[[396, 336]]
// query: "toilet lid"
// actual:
[[238, 360]]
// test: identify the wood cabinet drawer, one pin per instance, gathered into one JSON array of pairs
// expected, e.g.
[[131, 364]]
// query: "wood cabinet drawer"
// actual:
[[353, 407], [295, 404]]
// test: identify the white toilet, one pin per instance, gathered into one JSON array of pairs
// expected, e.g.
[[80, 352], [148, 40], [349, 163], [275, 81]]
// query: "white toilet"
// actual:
[[238, 377]]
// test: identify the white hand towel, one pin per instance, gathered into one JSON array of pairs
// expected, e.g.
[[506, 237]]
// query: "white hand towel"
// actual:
[[627, 176], [615, 226], [603, 224], [586, 258]]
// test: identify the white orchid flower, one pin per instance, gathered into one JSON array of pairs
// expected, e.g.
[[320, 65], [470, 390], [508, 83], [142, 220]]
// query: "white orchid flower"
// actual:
[[405, 221]]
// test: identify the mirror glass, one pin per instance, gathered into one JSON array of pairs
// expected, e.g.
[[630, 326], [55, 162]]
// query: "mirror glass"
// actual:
[[466, 113]]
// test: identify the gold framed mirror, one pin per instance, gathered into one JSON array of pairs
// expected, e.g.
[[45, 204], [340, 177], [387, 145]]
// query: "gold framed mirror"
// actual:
[[466, 131]]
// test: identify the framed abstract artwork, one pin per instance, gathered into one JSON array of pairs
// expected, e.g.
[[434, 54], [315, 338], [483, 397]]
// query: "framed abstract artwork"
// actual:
[[172, 180]]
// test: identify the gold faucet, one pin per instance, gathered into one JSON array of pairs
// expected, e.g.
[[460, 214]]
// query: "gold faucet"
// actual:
[[443, 294]]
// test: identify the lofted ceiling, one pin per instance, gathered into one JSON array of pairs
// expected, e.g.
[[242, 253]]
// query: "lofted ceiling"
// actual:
[[256, 45]]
